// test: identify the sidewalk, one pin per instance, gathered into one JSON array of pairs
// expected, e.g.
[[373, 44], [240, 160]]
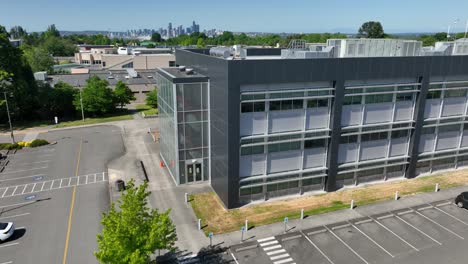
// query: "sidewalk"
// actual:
[[230, 239]]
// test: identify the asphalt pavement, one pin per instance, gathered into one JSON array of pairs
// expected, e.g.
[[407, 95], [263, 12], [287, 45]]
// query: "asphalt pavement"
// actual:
[[56, 194]]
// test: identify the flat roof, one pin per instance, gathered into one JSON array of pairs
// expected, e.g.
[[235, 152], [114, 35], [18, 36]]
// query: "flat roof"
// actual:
[[177, 76]]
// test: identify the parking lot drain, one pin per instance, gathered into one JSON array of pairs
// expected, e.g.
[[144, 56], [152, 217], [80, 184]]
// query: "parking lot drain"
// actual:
[[30, 197], [246, 248], [291, 238], [317, 232]]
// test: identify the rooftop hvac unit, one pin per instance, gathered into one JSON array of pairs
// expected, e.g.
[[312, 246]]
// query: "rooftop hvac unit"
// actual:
[[223, 52], [132, 73]]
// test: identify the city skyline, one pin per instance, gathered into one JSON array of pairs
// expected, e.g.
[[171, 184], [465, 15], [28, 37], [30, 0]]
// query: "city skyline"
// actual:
[[296, 16]]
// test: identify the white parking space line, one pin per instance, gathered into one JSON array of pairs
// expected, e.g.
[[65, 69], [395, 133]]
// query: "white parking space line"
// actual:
[[318, 249], [34, 162], [14, 191], [13, 216], [4, 192], [8, 245], [454, 217], [441, 226], [372, 240], [233, 257], [24, 177], [349, 247], [11, 205], [8, 262], [386, 228], [38, 168], [417, 229], [24, 189]]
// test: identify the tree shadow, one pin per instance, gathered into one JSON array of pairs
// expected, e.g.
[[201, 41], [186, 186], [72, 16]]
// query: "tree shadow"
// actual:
[[209, 254]]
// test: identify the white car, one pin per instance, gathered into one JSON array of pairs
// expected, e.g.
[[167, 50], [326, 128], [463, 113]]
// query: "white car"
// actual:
[[6, 230]]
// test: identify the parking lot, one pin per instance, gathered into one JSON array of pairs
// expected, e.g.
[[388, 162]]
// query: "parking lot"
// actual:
[[430, 233], [55, 195]]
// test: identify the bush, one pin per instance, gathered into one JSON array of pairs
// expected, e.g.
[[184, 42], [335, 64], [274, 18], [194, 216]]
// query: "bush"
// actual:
[[10, 146], [38, 143]]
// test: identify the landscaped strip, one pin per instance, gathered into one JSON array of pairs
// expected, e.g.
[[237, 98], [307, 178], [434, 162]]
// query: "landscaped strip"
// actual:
[[217, 219]]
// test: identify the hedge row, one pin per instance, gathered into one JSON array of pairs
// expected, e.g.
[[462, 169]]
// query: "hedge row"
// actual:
[[21, 144]]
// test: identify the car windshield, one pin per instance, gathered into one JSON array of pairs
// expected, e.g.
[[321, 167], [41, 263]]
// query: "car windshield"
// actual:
[[3, 226]]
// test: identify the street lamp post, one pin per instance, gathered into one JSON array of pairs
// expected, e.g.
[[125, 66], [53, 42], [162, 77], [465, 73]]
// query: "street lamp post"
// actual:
[[448, 30], [9, 118]]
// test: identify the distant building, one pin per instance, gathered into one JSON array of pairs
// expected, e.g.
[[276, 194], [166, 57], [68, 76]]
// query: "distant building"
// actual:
[[140, 84], [16, 42], [263, 123], [139, 58]]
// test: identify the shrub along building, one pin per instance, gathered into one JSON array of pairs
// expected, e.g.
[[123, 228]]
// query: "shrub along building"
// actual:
[[261, 123]]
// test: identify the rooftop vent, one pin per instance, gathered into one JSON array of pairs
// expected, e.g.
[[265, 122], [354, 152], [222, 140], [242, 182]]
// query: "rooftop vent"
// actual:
[[189, 71], [182, 68]]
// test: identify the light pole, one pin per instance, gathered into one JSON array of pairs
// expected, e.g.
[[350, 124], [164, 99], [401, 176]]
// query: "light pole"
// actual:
[[448, 30], [9, 118]]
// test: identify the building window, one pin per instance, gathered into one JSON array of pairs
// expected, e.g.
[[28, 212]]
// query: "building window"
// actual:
[[379, 98], [400, 133], [352, 100], [455, 93], [314, 103], [433, 95], [449, 128], [253, 150], [315, 143], [428, 130], [374, 136], [348, 139], [285, 105], [253, 107], [404, 97], [284, 146]]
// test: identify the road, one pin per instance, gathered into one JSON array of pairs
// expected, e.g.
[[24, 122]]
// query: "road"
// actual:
[[56, 194]]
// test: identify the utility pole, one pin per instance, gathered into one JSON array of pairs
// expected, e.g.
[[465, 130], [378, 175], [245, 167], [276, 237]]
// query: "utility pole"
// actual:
[[9, 119]]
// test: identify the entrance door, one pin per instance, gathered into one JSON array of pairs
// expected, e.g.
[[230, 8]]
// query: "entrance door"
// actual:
[[190, 173], [198, 172]]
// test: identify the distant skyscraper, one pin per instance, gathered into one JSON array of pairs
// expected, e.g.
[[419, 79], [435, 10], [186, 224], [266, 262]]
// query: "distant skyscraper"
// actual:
[[169, 30]]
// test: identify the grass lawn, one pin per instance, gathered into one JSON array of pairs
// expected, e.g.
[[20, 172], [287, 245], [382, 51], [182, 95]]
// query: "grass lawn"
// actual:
[[95, 120], [217, 219], [146, 109]]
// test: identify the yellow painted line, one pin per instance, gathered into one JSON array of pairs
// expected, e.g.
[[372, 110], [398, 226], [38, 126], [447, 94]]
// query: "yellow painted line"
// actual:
[[65, 251]]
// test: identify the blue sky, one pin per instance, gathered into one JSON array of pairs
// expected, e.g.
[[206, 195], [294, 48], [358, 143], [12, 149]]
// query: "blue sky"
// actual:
[[236, 15]]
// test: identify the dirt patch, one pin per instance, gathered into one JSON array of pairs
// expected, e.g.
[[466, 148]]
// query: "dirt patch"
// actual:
[[208, 207]]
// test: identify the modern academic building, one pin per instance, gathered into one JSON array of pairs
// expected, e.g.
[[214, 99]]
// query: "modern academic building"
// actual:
[[262, 123]]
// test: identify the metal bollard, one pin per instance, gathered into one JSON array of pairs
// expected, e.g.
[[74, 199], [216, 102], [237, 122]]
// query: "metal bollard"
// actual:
[[199, 224], [436, 187], [246, 225], [302, 214], [352, 205], [186, 197], [396, 196]]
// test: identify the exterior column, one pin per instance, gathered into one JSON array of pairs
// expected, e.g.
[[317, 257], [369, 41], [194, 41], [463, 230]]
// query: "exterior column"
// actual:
[[335, 126]]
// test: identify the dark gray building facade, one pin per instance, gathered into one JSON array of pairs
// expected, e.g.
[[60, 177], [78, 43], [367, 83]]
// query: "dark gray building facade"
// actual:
[[290, 126]]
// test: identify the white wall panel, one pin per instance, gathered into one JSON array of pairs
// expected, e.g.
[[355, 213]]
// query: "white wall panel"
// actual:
[[465, 138], [375, 149], [251, 165], [351, 115], [291, 120], [448, 140], [399, 147], [252, 123], [315, 157], [347, 153], [426, 143], [378, 113], [317, 118], [284, 161], [403, 110], [454, 106], [432, 108]]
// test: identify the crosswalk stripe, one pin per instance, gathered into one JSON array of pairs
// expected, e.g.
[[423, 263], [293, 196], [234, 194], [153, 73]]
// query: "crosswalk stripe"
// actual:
[[272, 247], [279, 256], [276, 252], [269, 243], [283, 261]]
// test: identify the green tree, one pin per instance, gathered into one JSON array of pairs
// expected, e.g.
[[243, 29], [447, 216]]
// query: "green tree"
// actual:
[[51, 31], [134, 232], [152, 98], [58, 46], [97, 97], [156, 37], [122, 94], [371, 29], [38, 58], [200, 43], [441, 36]]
